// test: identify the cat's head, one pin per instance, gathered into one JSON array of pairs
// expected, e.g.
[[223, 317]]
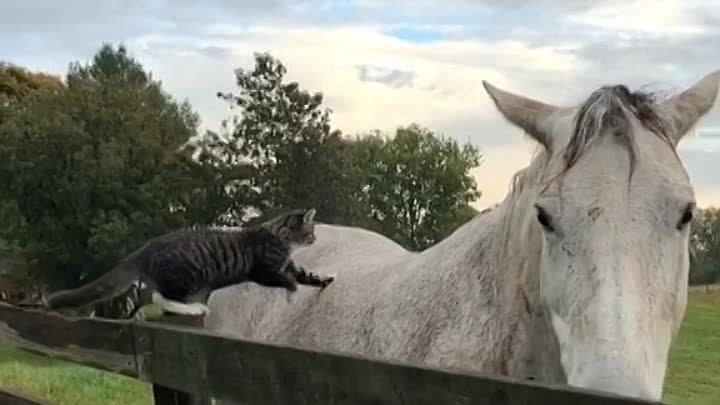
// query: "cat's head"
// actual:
[[296, 227]]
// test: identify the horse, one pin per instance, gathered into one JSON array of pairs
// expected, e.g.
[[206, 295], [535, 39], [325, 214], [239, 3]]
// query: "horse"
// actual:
[[578, 277]]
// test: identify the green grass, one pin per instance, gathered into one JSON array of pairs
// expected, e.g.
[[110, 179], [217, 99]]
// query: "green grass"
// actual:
[[693, 379], [694, 375], [64, 383]]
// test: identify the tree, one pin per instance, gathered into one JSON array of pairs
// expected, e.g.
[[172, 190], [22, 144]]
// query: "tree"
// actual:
[[705, 246], [417, 184], [17, 82], [283, 137], [97, 167]]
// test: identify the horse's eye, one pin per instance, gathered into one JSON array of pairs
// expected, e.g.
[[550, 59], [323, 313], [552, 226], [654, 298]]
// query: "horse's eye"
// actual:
[[544, 218], [687, 216]]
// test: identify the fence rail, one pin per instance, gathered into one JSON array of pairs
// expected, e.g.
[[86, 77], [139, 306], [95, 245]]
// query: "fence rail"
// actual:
[[708, 288], [206, 364], [8, 397]]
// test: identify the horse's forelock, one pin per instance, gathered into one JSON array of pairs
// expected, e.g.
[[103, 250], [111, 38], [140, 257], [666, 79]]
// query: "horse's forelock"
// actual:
[[606, 112]]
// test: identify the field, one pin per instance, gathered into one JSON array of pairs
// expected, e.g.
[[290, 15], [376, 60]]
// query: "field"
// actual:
[[694, 377], [67, 384]]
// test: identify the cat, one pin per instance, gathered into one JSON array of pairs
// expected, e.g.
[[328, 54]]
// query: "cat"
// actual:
[[182, 268]]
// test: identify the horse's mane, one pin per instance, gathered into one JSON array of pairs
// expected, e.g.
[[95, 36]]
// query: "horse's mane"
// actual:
[[515, 230]]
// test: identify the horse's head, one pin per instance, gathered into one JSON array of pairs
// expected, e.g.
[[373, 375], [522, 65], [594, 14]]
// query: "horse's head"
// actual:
[[612, 209]]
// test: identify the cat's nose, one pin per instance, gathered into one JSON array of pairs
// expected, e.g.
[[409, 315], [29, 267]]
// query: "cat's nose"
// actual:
[[309, 239]]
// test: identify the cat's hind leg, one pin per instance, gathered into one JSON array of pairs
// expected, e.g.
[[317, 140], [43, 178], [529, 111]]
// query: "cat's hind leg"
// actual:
[[180, 308]]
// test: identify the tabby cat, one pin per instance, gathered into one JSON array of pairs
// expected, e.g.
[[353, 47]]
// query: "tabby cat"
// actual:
[[182, 268]]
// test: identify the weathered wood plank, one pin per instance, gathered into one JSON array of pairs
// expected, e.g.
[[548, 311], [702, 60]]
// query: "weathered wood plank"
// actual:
[[260, 373], [164, 395], [10, 397], [98, 343]]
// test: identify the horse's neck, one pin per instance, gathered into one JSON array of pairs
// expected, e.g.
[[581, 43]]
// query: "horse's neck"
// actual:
[[495, 243], [497, 255], [494, 248]]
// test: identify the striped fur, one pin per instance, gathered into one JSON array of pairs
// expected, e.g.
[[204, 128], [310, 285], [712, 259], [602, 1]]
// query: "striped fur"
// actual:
[[185, 266]]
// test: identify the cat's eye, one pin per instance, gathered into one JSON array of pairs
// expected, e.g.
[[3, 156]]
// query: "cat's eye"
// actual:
[[544, 218], [687, 216]]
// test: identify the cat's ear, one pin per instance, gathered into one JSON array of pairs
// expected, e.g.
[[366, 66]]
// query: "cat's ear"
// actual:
[[284, 234], [309, 216]]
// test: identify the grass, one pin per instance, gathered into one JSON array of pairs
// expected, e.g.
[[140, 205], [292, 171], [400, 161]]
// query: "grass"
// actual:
[[64, 383], [693, 378], [694, 375]]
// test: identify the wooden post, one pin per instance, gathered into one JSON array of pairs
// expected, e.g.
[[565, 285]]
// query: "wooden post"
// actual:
[[168, 396]]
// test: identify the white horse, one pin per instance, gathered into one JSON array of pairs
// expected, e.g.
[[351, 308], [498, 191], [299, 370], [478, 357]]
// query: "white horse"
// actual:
[[579, 276]]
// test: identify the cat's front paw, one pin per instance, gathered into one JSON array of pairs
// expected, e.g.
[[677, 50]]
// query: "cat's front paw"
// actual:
[[328, 279]]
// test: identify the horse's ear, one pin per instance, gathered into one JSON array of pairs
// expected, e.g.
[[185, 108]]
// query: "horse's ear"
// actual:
[[309, 215], [532, 116], [686, 108]]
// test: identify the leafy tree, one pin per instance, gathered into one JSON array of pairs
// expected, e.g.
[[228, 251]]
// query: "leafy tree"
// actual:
[[416, 184], [97, 167], [17, 82], [705, 246], [293, 158], [283, 138]]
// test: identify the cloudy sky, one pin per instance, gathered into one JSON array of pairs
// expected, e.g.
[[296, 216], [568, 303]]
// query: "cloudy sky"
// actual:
[[382, 64]]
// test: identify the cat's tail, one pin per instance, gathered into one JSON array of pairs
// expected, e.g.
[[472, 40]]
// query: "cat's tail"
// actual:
[[105, 287]]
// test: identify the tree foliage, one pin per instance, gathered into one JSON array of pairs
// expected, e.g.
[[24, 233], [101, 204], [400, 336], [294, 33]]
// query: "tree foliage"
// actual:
[[705, 246], [414, 187], [283, 137], [96, 167], [17, 82], [417, 184]]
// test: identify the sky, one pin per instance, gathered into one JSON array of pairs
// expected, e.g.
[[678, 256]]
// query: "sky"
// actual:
[[381, 65]]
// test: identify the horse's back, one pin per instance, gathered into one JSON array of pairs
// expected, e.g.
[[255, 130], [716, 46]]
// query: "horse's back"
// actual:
[[342, 247]]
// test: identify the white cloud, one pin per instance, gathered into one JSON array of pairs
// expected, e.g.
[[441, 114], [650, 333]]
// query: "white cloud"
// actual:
[[653, 17], [446, 86], [446, 95]]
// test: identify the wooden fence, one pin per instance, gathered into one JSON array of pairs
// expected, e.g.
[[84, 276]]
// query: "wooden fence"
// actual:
[[707, 288], [200, 364]]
